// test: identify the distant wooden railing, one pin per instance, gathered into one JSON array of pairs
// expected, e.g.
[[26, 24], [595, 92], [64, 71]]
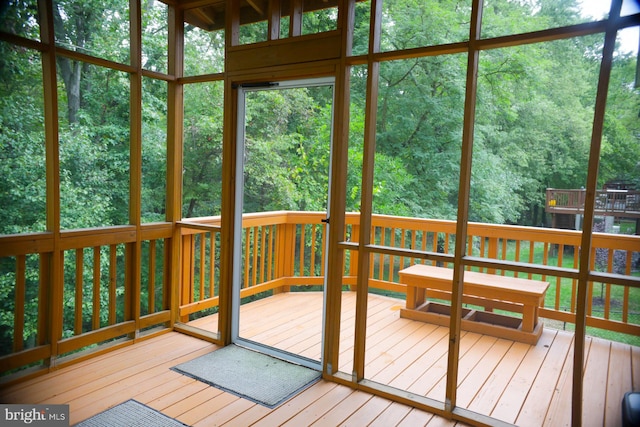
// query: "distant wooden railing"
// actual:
[[621, 203], [282, 249]]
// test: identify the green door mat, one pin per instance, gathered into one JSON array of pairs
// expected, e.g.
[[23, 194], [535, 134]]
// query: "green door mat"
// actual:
[[249, 374], [130, 414]]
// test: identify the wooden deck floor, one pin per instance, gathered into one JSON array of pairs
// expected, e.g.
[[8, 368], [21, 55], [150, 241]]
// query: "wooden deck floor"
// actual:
[[514, 382]]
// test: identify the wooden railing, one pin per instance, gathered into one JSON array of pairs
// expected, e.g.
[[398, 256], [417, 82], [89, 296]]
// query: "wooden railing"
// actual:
[[279, 249], [286, 248], [63, 297], [69, 297], [621, 203]]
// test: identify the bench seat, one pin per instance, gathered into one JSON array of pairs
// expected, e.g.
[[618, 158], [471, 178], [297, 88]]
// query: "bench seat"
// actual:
[[488, 290]]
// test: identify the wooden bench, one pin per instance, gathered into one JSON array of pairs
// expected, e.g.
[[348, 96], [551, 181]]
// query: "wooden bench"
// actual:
[[487, 290]]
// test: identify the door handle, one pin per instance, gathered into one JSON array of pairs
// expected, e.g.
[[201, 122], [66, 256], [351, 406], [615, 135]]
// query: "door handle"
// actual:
[[325, 220]]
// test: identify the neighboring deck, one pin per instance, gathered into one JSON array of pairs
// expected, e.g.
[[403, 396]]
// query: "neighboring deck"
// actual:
[[515, 382]]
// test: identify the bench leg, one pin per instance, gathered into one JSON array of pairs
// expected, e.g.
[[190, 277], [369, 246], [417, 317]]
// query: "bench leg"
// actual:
[[528, 318], [415, 297]]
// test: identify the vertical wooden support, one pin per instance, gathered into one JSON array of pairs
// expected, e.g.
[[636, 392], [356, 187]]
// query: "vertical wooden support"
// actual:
[[463, 207], [366, 197], [335, 262], [174, 153], [53, 310], [295, 18], [232, 23], [229, 177], [274, 15], [589, 206], [135, 160]]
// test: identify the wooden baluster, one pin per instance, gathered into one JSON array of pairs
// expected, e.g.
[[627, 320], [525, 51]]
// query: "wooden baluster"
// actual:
[[247, 256], [531, 254], [545, 258], [151, 280], [625, 297], [392, 231], [516, 274], [113, 264], [96, 288], [559, 279], [312, 266], [254, 255], [186, 294], [504, 253], [77, 327], [607, 298], [212, 264], [271, 253], [43, 297], [303, 228], [202, 238], [19, 298], [263, 249], [492, 251]]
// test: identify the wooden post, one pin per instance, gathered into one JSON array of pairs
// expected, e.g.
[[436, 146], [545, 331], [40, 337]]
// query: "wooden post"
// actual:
[[274, 15], [589, 206], [463, 208], [174, 153], [295, 18], [364, 255], [135, 160], [55, 261]]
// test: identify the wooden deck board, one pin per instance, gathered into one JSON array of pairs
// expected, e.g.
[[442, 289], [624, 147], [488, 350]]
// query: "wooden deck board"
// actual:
[[618, 383], [391, 416], [517, 389], [343, 410], [514, 382], [364, 415], [596, 371], [475, 379], [539, 396], [487, 397], [635, 361]]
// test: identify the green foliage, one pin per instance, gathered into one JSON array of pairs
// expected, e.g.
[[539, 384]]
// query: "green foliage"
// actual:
[[19, 17], [202, 157], [287, 149], [22, 151]]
